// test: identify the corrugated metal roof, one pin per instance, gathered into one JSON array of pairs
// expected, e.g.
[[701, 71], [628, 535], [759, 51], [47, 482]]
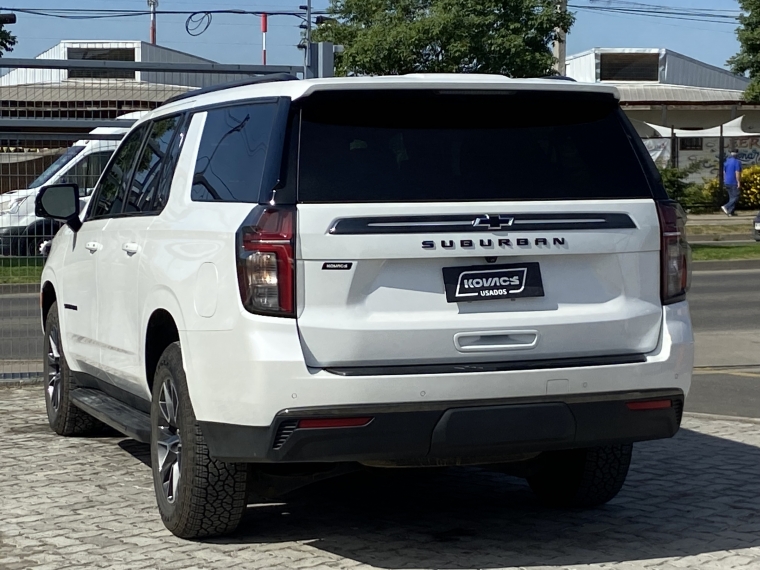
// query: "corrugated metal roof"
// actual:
[[654, 93], [91, 90]]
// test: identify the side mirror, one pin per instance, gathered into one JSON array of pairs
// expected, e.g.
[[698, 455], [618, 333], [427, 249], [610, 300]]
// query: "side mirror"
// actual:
[[59, 202]]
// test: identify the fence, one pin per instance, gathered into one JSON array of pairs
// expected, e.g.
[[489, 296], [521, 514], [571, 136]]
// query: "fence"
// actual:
[[60, 121]]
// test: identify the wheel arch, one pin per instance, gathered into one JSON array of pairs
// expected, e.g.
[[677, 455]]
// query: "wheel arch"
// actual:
[[48, 296], [161, 331]]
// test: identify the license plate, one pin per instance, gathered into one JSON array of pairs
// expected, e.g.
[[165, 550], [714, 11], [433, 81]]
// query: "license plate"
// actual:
[[489, 282]]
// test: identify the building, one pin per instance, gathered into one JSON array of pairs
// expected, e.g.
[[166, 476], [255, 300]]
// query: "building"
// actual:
[[74, 100], [98, 93], [666, 88]]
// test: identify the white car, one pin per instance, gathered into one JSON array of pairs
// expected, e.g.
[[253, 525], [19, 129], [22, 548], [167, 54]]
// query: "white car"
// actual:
[[410, 271], [21, 231]]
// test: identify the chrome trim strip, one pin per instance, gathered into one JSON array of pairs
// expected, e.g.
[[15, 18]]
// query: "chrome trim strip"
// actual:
[[502, 223]]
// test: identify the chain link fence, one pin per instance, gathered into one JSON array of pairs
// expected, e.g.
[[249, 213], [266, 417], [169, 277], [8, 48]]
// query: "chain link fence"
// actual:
[[60, 121]]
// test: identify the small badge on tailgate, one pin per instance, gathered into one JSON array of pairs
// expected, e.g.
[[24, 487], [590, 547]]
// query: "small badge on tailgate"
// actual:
[[482, 283], [337, 265]]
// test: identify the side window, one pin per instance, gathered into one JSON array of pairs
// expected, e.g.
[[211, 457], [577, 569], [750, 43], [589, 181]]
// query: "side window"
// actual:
[[109, 196], [86, 172], [147, 175], [233, 153], [167, 175]]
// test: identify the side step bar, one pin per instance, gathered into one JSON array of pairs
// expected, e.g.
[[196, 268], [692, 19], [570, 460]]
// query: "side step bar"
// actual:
[[111, 411]]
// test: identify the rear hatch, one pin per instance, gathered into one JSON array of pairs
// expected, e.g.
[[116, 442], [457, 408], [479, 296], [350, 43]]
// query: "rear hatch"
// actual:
[[451, 227]]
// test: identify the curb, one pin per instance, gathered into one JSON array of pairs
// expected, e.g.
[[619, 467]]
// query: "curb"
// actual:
[[728, 265], [19, 288], [720, 417], [19, 380]]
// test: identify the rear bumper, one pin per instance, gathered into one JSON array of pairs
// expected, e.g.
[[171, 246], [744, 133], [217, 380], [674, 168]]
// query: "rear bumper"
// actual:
[[442, 433], [259, 372]]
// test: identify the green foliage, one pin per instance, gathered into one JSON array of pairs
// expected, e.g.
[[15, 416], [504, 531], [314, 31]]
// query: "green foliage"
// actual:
[[7, 40], [748, 58], [674, 179], [387, 37], [749, 196], [689, 194]]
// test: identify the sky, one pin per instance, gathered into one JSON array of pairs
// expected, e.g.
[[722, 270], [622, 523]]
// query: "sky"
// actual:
[[237, 38]]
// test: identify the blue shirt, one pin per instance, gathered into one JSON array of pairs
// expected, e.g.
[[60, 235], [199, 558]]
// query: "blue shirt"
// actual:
[[731, 170]]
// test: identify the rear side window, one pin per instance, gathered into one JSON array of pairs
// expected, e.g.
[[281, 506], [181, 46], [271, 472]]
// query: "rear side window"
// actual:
[[418, 146], [232, 157]]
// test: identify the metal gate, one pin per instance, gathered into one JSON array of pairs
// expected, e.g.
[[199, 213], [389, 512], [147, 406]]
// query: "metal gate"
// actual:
[[60, 120]]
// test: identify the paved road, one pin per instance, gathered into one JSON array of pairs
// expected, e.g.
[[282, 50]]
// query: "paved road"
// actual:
[[725, 300], [20, 335], [76, 503], [725, 310], [720, 301]]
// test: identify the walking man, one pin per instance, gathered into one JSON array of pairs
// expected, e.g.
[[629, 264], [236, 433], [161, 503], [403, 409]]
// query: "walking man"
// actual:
[[732, 170]]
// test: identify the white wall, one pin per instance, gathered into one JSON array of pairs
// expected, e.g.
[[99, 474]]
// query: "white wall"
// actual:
[[582, 67]]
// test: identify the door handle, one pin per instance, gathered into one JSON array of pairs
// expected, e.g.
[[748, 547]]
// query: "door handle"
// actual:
[[493, 341], [92, 246], [130, 247]]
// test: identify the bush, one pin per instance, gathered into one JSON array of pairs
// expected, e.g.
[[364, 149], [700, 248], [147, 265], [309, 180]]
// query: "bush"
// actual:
[[694, 197], [749, 197], [750, 191]]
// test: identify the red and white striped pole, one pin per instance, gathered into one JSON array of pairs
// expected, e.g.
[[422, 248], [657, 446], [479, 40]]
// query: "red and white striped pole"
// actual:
[[264, 39]]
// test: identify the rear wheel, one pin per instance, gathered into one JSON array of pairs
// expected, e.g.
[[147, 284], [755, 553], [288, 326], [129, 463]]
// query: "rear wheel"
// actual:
[[63, 416], [197, 496], [582, 477]]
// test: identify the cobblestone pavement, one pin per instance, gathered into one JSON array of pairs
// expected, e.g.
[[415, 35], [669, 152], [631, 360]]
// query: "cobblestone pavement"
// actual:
[[690, 502]]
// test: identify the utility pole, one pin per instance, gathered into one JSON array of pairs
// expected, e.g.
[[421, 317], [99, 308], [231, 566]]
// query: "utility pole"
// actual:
[[153, 4], [264, 39], [560, 45], [307, 51]]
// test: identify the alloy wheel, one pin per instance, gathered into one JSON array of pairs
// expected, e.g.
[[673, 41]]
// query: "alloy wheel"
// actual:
[[54, 376], [169, 442]]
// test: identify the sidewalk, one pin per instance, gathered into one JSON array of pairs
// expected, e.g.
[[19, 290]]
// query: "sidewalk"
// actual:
[[20, 371], [741, 218]]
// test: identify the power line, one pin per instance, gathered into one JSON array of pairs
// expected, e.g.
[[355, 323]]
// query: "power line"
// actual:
[[663, 12], [94, 14]]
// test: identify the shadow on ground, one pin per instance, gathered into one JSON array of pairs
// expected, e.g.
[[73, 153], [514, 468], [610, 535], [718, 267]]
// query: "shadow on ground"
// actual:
[[691, 495]]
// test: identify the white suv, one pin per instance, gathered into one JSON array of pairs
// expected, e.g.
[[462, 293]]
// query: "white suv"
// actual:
[[426, 270]]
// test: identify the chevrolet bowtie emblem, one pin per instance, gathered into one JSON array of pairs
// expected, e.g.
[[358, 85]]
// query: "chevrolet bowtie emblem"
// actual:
[[493, 221]]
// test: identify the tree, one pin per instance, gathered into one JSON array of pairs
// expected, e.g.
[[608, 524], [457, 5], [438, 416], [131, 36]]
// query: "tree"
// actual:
[[7, 40], [748, 58], [386, 37]]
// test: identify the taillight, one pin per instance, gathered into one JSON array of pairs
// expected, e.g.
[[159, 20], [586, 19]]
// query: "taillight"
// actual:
[[675, 253], [266, 261]]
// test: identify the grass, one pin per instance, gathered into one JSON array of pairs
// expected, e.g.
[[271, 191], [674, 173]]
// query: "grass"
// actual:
[[720, 229], [20, 270], [709, 252], [28, 270], [20, 274]]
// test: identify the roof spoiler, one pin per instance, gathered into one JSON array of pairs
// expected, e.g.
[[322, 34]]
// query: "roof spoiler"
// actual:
[[241, 83], [560, 78]]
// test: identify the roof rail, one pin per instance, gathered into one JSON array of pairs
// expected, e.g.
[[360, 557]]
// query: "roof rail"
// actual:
[[241, 83], [560, 78]]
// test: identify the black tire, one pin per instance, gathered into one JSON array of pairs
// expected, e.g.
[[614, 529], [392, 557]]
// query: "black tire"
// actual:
[[63, 416], [197, 496], [581, 477]]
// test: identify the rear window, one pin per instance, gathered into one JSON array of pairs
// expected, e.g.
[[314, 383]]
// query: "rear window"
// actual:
[[415, 146]]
